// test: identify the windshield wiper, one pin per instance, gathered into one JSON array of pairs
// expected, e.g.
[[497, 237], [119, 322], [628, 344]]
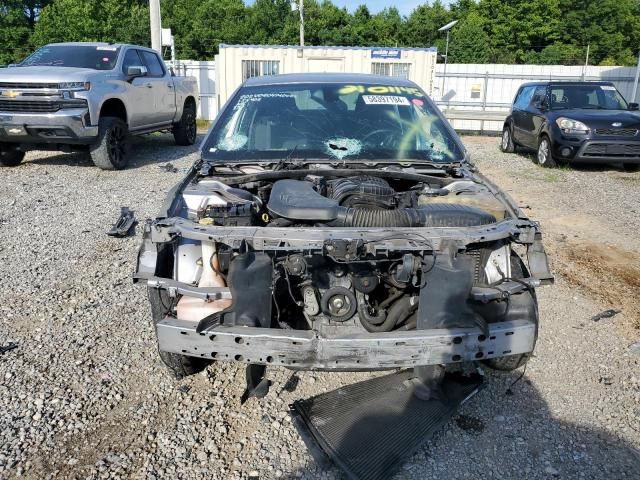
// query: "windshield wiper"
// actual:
[[284, 162]]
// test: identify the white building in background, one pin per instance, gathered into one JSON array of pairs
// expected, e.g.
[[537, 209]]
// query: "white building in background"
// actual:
[[236, 63]]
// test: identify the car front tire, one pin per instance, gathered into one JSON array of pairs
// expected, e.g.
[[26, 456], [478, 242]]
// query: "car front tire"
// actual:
[[544, 156], [10, 156], [111, 151], [179, 366], [506, 144], [512, 362]]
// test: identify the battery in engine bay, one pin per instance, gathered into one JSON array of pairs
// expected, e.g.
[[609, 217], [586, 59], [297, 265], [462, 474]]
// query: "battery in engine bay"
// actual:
[[229, 215]]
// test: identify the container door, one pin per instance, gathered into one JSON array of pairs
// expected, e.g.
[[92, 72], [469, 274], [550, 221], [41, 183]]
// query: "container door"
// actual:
[[325, 65]]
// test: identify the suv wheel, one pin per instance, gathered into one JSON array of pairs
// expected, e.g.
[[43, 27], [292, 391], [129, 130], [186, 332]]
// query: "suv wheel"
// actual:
[[544, 157], [111, 151], [631, 167], [10, 156], [185, 131], [507, 145]]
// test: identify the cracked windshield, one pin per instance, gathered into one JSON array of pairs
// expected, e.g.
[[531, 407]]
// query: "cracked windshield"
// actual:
[[331, 122]]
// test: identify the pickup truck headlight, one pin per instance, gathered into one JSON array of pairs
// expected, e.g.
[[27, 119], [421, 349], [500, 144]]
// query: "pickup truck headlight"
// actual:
[[77, 86], [567, 125]]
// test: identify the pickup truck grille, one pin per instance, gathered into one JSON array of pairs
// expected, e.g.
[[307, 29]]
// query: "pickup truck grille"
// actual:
[[29, 106], [617, 132], [630, 150], [28, 86]]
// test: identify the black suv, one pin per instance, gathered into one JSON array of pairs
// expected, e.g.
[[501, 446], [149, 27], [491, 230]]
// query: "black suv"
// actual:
[[574, 122]]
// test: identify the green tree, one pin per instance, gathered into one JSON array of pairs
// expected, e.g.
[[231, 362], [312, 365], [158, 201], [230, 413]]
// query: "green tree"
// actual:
[[17, 20], [216, 22], [558, 53], [469, 41], [519, 26], [14, 35], [178, 15], [267, 20], [497, 31], [611, 27], [88, 20], [421, 27]]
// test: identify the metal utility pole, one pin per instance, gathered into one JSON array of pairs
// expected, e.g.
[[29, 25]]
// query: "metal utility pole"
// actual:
[[156, 25], [299, 5], [446, 28], [302, 23], [586, 63]]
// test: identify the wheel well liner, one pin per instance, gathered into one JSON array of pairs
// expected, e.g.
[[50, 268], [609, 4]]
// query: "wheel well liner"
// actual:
[[190, 101], [114, 107]]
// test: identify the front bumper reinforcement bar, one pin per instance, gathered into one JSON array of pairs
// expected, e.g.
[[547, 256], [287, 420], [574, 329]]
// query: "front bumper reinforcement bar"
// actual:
[[305, 349]]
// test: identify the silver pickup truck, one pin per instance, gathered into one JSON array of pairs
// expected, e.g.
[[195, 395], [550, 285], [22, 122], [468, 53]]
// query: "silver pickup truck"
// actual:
[[92, 96]]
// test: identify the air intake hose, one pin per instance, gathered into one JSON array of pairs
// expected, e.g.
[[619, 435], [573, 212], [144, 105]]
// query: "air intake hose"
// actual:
[[360, 217], [431, 215]]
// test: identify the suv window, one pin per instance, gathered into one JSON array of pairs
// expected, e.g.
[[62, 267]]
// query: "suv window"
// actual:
[[131, 59], [539, 94], [524, 98], [604, 97], [153, 64]]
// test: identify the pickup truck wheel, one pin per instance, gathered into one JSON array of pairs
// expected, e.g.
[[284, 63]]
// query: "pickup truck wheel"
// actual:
[[111, 151], [185, 131], [179, 366], [10, 157]]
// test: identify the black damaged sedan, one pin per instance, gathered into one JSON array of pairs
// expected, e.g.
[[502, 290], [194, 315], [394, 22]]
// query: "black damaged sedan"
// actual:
[[335, 222], [574, 122]]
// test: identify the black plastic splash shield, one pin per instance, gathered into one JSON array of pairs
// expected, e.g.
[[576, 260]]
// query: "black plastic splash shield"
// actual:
[[369, 428]]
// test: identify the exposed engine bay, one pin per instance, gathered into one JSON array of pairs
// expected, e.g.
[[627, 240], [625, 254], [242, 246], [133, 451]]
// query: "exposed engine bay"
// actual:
[[340, 286], [339, 253]]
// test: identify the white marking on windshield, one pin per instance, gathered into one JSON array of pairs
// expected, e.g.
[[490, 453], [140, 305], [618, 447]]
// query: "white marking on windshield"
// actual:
[[385, 100]]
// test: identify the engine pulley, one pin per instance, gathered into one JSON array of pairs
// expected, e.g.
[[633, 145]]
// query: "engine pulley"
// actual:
[[339, 304], [365, 283]]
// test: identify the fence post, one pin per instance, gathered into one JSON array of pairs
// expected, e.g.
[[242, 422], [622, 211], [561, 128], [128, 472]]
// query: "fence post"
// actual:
[[635, 81], [484, 99]]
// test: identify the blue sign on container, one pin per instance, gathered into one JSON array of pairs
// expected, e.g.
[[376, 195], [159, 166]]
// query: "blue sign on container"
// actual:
[[385, 53]]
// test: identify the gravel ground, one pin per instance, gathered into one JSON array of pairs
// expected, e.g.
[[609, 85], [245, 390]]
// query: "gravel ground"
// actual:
[[85, 396]]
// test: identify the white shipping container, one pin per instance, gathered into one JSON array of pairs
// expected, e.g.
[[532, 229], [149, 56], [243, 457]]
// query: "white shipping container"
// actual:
[[237, 63]]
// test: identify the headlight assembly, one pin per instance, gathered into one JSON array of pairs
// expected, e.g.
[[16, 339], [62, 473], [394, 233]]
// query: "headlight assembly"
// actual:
[[567, 125], [75, 86]]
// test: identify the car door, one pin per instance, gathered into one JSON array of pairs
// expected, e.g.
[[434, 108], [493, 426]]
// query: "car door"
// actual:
[[162, 87], [518, 113], [535, 116], [139, 95]]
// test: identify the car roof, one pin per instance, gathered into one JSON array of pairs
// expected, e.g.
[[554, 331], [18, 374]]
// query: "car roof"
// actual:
[[349, 78], [99, 44], [564, 82]]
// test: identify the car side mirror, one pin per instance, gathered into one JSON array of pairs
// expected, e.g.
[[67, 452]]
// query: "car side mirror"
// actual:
[[136, 71], [634, 106]]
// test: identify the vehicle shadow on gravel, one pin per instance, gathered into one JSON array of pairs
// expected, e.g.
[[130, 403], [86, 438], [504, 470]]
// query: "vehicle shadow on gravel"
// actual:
[[511, 436], [145, 150]]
